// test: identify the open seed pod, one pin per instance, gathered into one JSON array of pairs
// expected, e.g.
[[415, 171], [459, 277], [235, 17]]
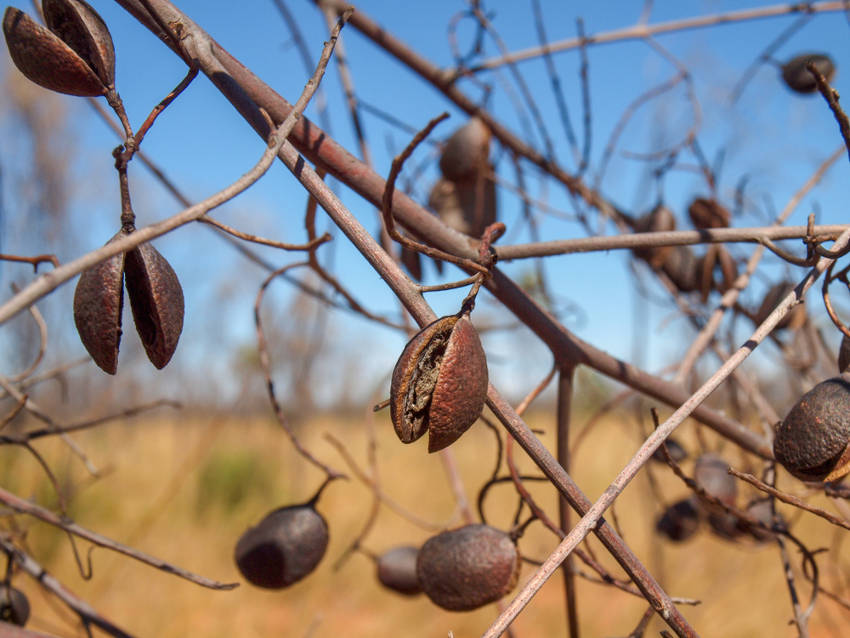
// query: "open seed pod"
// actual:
[[468, 206], [681, 266], [799, 79], [776, 293], [84, 65], [812, 442], [396, 570], [679, 521], [468, 567], [466, 151], [709, 213], [283, 547], [14, 606], [156, 299], [439, 383], [711, 475], [657, 220]]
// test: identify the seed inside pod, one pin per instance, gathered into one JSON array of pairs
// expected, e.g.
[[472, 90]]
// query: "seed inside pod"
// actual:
[[397, 570], [680, 521], [156, 299], [439, 383], [283, 547], [45, 59], [466, 151], [812, 442], [799, 79], [14, 606], [466, 568], [80, 27]]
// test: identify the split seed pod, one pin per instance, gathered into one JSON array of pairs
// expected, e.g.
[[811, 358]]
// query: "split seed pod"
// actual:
[[680, 521], [73, 55], [14, 606], [812, 442], [439, 383], [156, 299], [657, 220], [283, 547], [799, 79], [466, 151], [467, 568], [709, 213], [396, 570]]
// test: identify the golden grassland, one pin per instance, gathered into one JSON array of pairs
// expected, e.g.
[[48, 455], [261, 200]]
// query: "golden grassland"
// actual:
[[183, 488]]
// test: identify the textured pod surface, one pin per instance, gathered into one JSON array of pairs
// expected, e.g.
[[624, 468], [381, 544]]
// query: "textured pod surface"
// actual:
[[811, 443], [679, 521], [81, 28], [283, 548], [468, 567], [45, 59], [396, 570], [710, 474], [439, 383], [799, 79], [98, 301], [14, 606], [156, 299], [659, 219], [466, 151], [709, 213]]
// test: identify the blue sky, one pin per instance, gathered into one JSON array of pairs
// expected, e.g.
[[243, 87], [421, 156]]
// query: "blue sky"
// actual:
[[774, 137]]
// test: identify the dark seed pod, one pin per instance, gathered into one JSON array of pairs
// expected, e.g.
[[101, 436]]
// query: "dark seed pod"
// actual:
[[725, 525], [396, 570], [466, 568], [659, 219], [761, 511], [156, 299], [466, 151], [98, 301], [81, 28], [439, 383], [45, 59], [711, 475], [680, 521], [776, 293], [709, 213], [812, 442], [799, 79], [681, 266], [844, 354], [467, 206], [283, 547], [674, 449], [14, 606]]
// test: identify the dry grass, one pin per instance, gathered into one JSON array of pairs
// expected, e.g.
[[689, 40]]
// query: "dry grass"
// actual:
[[184, 489]]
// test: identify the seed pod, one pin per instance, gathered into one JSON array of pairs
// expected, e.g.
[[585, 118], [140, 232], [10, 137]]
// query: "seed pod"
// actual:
[[659, 219], [844, 354], [711, 475], [709, 213], [98, 301], [467, 568], [283, 547], [681, 266], [761, 510], [439, 383], [156, 299], [812, 442], [680, 521], [45, 59], [725, 525], [799, 79], [466, 151], [674, 449], [14, 606], [775, 294], [468, 206], [396, 570], [81, 28]]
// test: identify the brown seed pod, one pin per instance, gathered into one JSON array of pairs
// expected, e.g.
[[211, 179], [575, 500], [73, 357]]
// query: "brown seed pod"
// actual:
[[439, 383], [283, 547], [761, 510], [659, 219], [156, 299], [81, 28], [468, 206], [45, 59], [466, 568], [396, 570], [711, 475], [682, 266], [812, 442], [98, 301], [466, 151], [674, 449], [680, 521], [776, 293], [14, 606], [844, 354], [799, 79], [709, 213]]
